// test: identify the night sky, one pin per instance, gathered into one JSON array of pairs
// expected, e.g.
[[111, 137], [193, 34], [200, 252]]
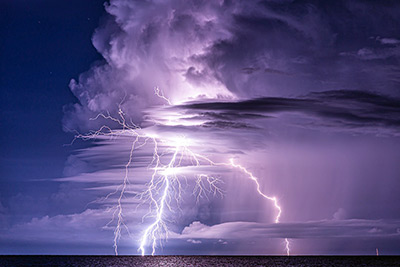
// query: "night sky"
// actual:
[[294, 101]]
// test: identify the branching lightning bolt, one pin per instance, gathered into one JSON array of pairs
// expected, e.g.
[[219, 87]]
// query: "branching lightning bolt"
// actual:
[[169, 176], [158, 223], [165, 185]]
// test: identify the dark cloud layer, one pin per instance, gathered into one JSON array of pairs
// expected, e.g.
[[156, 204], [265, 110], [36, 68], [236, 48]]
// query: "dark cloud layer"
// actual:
[[343, 108]]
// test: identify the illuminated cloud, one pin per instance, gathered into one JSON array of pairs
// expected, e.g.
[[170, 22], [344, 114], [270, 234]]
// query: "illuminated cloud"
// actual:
[[229, 50], [302, 230]]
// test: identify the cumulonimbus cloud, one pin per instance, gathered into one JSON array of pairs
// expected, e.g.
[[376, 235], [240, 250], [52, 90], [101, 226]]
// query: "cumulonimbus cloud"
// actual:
[[222, 49]]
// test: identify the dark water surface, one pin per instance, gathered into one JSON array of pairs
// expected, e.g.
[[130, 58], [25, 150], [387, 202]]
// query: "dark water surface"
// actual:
[[199, 261]]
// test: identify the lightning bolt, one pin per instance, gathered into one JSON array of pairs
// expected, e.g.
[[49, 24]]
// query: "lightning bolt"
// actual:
[[163, 180], [158, 223], [160, 94], [273, 199], [165, 184]]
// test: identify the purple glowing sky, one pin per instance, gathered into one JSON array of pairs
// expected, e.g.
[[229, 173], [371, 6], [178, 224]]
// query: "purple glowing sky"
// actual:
[[304, 94]]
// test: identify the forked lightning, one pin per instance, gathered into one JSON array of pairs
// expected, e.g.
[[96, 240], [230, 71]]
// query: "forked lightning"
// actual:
[[166, 181]]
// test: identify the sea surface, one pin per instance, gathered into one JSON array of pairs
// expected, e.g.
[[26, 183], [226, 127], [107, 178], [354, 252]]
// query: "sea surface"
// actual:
[[199, 261]]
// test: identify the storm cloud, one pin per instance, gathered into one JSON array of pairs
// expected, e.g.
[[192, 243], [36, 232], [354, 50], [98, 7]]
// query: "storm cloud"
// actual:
[[235, 50]]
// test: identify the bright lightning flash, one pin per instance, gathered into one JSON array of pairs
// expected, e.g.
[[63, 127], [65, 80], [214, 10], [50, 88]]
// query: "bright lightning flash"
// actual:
[[165, 184], [273, 199]]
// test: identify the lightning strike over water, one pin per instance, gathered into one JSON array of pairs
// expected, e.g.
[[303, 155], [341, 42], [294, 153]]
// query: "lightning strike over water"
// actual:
[[166, 184], [273, 199]]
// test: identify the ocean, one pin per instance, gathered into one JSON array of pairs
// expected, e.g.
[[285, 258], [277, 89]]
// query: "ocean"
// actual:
[[199, 261]]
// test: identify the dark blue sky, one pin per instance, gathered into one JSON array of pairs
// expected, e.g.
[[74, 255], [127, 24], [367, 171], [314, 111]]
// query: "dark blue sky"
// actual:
[[43, 45]]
